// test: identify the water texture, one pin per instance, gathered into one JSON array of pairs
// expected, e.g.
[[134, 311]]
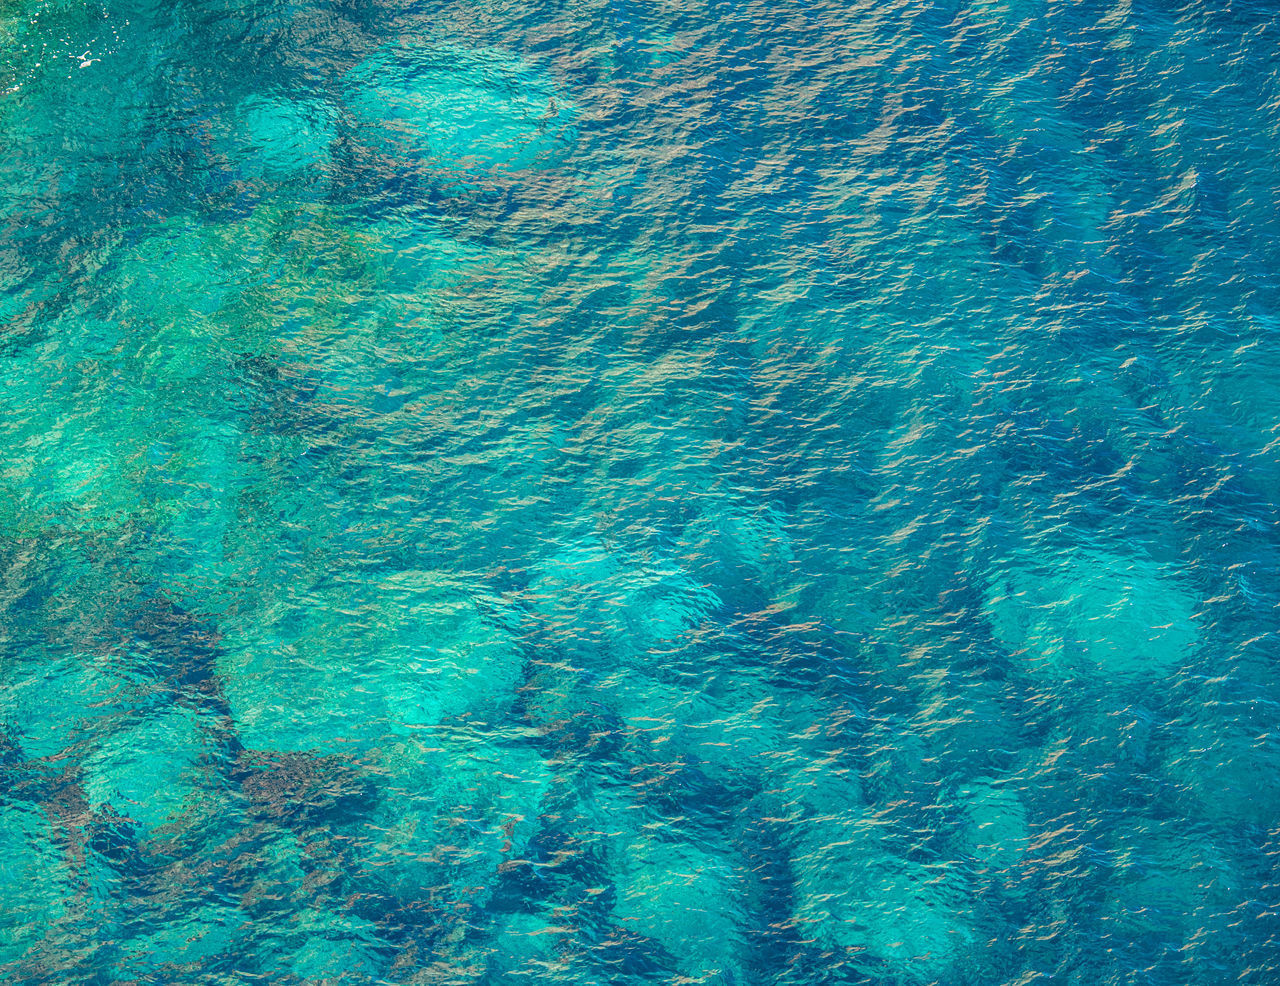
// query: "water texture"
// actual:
[[613, 493]]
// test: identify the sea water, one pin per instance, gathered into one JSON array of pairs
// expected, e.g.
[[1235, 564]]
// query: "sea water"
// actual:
[[615, 493]]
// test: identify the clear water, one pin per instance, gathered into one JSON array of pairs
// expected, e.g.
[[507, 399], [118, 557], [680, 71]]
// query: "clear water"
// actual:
[[617, 492]]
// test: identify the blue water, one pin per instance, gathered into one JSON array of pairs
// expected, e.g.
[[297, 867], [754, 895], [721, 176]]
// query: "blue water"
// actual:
[[617, 493]]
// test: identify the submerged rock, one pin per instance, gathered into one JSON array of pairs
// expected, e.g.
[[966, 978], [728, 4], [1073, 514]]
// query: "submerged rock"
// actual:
[[34, 884], [156, 773], [536, 947], [855, 894], [455, 809], [219, 280], [89, 697], [685, 899], [278, 138], [471, 110], [638, 608], [317, 945], [348, 668], [1092, 612], [1220, 766], [185, 942], [743, 541], [336, 948], [996, 833]]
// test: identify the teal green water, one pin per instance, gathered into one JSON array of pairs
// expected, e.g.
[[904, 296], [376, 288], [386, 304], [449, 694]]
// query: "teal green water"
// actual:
[[618, 493]]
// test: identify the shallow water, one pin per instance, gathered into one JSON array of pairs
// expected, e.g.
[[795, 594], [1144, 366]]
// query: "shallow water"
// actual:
[[766, 492]]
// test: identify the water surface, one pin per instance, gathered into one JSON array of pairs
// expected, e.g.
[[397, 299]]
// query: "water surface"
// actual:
[[616, 493]]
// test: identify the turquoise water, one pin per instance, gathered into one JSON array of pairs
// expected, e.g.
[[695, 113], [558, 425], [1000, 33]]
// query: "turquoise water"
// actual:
[[618, 493]]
